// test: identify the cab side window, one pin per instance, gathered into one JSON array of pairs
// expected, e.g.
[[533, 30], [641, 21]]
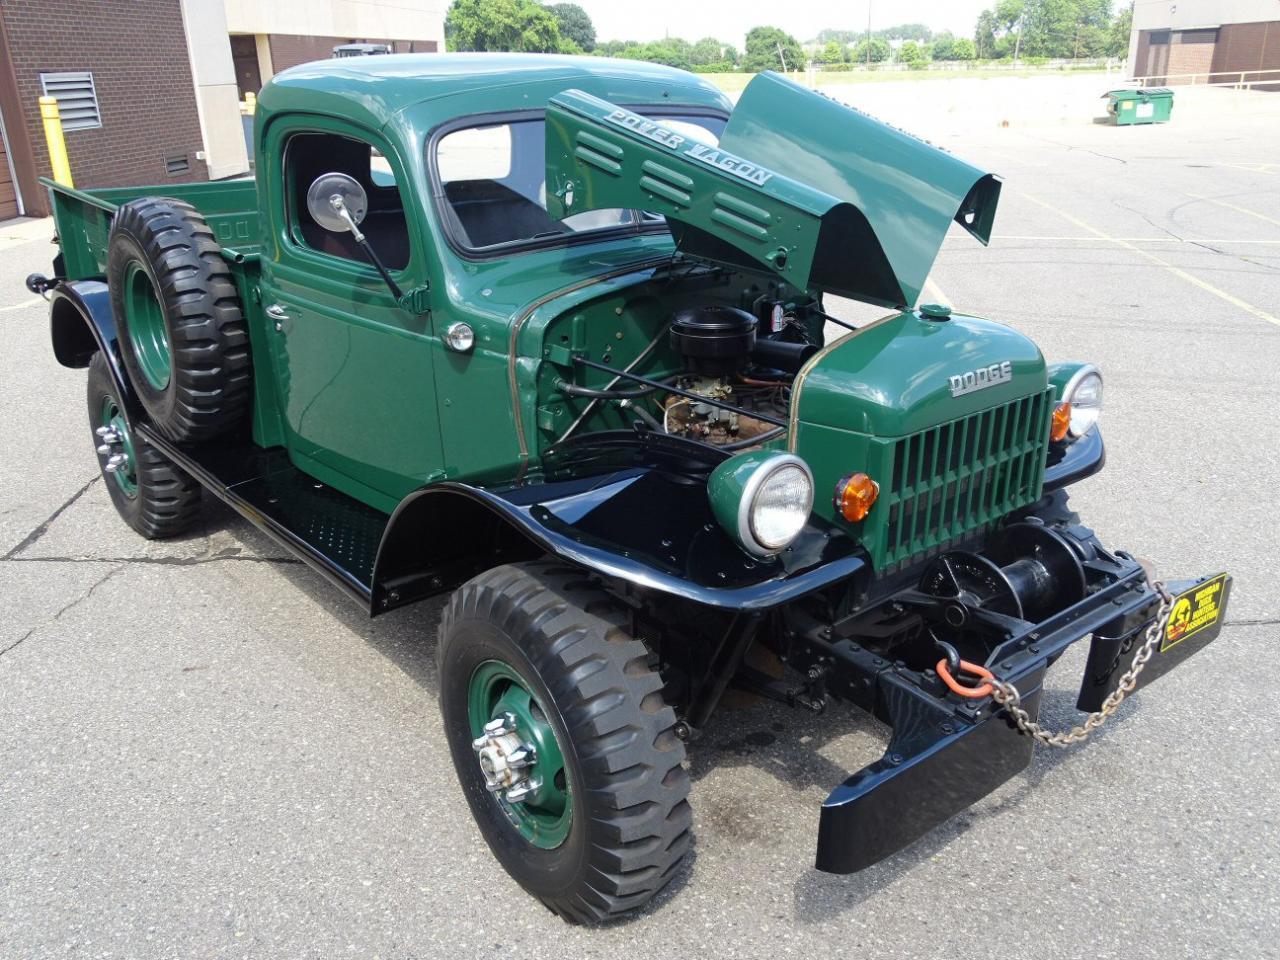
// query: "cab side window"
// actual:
[[307, 156]]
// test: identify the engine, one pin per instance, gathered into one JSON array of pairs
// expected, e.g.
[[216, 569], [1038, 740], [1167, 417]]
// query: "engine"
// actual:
[[727, 360]]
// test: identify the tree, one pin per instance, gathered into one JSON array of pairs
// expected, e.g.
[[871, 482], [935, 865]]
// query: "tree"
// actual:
[[999, 29], [574, 24], [709, 51], [839, 36], [909, 52], [833, 52], [763, 44], [609, 48], [1117, 43], [984, 34], [673, 52], [963, 49], [1008, 13], [875, 50], [519, 25], [1053, 28], [906, 31], [944, 46]]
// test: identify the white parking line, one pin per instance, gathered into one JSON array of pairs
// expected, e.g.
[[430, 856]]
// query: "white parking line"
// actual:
[[18, 306], [1176, 271], [935, 294], [1232, 206]]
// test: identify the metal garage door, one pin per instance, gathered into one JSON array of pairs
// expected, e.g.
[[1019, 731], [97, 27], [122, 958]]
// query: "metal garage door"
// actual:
[[8, 190]]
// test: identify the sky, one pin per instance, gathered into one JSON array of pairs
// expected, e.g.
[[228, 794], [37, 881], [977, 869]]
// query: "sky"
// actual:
[[729, 20]]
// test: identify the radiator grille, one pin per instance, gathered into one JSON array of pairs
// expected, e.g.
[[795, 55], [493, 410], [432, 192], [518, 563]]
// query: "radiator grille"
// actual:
[[953, 480]]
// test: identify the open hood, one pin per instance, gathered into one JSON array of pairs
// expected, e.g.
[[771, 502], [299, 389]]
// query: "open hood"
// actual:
[[822, 194]]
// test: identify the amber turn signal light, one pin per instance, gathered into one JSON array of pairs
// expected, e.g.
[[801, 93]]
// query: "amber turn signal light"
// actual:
[[1061, 422], [855, 495]]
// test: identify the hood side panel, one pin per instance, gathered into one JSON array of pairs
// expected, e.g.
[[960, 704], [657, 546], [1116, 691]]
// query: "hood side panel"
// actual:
[[602, 156], [824, 196]]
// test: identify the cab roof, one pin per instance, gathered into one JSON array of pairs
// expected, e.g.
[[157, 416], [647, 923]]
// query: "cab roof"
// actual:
[[373, 90]]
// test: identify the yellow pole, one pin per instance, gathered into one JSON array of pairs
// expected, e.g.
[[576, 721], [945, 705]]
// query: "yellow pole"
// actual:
[[251, 103], [57, 145]]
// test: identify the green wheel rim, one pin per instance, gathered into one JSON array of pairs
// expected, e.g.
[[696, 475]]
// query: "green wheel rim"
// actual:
[[545, 816], [126, 476], [147, 332]]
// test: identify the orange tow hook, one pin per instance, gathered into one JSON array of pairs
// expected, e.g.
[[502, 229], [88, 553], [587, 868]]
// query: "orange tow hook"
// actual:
[[956, 687]]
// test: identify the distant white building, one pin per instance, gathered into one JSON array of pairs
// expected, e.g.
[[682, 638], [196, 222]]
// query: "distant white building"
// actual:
[[237, 45], [1173, 39]]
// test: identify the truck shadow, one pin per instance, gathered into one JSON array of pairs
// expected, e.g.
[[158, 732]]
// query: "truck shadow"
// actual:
[[407, 638], [808, 755], [818, 896]]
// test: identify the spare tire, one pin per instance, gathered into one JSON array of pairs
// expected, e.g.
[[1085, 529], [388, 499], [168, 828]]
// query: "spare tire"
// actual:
[[182, 333]]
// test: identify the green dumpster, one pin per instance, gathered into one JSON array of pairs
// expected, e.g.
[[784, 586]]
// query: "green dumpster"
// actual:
[[1146, 105]]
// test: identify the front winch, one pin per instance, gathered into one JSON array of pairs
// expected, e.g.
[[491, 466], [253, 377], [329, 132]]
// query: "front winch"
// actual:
[[505, 760], [1029, 571]]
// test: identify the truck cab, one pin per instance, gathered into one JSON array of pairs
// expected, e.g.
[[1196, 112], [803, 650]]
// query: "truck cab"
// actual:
[[454, 173]]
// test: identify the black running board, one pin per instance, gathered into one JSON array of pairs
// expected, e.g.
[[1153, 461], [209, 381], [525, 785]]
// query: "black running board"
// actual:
[[331, 532]]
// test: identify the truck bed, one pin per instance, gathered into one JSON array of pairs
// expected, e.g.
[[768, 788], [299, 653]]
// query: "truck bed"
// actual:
[[83, 219]]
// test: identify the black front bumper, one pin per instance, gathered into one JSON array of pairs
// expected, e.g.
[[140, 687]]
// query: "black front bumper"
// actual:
[[946, 753]]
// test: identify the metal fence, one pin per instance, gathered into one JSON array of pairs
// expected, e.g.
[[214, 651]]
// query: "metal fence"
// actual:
[[1230, 78]]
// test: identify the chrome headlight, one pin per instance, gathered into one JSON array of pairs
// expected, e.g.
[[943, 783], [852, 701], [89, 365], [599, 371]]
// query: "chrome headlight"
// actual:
[[762, 499], [1084, 392]]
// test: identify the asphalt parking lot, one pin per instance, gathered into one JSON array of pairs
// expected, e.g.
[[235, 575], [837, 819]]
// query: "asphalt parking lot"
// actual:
[[205, 751]]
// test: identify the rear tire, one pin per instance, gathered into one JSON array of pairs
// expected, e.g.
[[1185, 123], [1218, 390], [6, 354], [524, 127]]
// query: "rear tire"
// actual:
[[562, 641], [152, 495], [183, 336]]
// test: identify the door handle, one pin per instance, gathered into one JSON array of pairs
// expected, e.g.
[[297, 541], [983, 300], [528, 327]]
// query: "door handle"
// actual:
[[277, 313]]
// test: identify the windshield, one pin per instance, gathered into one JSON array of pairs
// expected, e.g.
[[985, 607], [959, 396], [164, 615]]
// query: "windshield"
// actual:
[[494, 182]]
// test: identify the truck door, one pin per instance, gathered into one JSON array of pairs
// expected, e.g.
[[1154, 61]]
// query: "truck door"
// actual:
[[353, 367]]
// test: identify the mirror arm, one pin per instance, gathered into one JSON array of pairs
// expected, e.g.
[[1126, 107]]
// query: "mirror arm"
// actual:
[[341, 209], [377, 262]]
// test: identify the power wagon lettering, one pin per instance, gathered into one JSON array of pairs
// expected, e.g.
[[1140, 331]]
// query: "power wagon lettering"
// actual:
[[646, 128], [729, 163], [720, 159]]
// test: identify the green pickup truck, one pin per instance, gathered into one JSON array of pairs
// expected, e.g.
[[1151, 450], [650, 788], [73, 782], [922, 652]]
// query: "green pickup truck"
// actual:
[[547, 334]]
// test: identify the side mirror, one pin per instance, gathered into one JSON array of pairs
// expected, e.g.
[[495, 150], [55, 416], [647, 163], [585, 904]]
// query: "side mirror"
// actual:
[[338, 203]]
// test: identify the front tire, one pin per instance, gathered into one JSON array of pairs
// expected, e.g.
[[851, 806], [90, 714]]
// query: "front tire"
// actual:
[[608, 821]]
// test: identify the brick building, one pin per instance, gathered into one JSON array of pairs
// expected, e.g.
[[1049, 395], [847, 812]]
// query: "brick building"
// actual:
[[136, 108], [149, 90], [1200, 41]]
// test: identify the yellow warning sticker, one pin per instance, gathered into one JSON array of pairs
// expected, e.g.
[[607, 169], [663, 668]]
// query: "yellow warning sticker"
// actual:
[[1194, 610]]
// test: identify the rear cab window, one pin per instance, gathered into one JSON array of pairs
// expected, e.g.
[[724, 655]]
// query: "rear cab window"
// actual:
[[491, 177]]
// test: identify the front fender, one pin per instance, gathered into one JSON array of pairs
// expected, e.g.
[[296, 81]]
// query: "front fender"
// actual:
[[642, 526], [1075, 461]]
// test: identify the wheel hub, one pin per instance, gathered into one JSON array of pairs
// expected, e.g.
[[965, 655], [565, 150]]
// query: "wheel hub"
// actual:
[[522, 763], [115, 445], [506, 761], [148, 335]]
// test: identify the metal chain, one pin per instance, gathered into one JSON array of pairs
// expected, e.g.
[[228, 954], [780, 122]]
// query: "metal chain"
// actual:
[[1006, 694]]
